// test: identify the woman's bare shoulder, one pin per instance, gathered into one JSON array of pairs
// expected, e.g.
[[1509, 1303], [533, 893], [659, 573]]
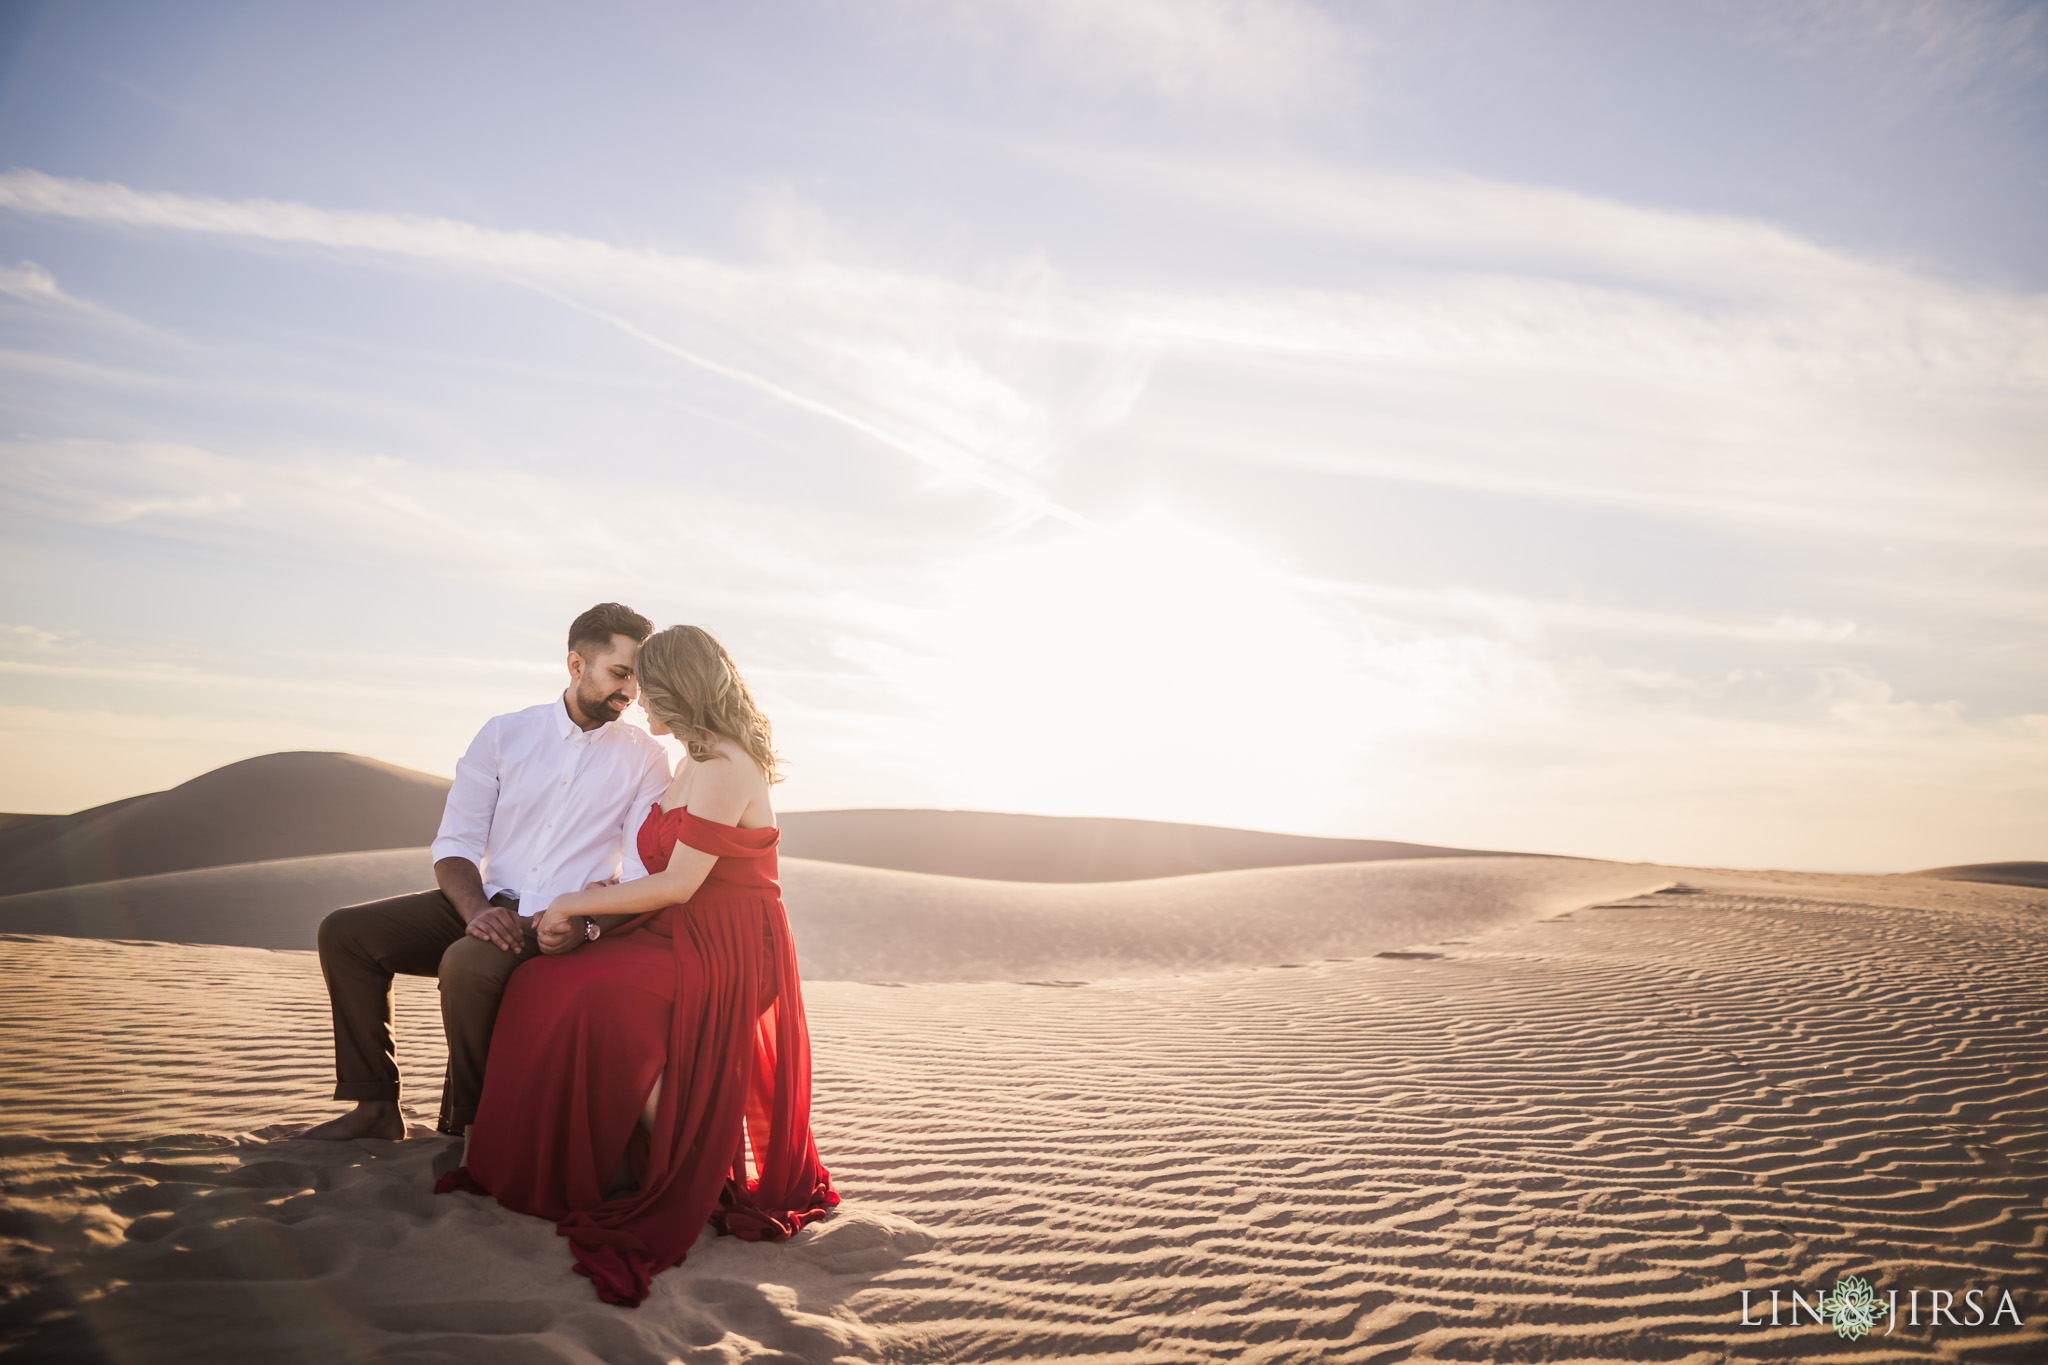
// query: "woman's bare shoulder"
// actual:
[[741, 779], [735, 787]]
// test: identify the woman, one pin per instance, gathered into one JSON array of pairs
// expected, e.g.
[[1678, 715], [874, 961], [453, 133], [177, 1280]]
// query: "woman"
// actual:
[[674, 1042]]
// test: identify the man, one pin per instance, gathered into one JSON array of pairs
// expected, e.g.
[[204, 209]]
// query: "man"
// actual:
[[547, 800]]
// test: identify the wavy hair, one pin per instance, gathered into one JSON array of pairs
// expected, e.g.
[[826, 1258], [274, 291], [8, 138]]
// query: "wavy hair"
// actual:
[[691, 685]]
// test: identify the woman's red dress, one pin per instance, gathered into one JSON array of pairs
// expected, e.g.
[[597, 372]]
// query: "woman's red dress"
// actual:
[[704, 995]]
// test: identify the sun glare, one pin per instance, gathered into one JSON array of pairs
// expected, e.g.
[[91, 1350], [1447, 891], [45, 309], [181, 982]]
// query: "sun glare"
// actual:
[[1152, 668]]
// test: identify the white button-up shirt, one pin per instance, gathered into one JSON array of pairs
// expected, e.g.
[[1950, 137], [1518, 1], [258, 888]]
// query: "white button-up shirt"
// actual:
[[543, 807]]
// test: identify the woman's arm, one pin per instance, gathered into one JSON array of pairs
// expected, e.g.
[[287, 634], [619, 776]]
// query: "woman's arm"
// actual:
[[561, 936], [719, 792], [686, 871]]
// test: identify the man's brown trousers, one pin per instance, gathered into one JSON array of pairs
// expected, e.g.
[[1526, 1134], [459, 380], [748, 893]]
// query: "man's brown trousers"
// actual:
[[363, 946]]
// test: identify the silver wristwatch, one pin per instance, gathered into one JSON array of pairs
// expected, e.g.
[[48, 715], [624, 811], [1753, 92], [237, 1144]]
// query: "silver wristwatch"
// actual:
[[589, 929]]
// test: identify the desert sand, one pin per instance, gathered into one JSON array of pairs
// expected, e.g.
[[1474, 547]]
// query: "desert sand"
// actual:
[[1574, 1137], [1435, 1109]]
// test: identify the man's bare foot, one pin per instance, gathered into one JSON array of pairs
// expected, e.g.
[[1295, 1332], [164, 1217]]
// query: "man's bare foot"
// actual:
[[369, 1119]]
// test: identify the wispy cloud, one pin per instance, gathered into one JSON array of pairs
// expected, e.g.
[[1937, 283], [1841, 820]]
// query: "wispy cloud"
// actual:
[[1527, 618], [29, 281], [1737, 345], [31, 638], [30, 284], [922, 420], [1910, 50], [947, 458], [683, 548], [1242, 54], [1462, 221]]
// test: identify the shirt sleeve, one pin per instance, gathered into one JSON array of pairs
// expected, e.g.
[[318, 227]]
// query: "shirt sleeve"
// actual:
[[654, 780], [473, 799]]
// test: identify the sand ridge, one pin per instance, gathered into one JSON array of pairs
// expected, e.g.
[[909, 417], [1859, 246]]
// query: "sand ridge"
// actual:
[[273, 904], [856, 923], [297, 805], [1048, 848], [2007, 874], [286, 805], [868, 924], [1575, 1137]]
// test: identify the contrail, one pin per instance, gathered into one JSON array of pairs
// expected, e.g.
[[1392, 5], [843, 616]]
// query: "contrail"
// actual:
[[493, 252], [962, 464]]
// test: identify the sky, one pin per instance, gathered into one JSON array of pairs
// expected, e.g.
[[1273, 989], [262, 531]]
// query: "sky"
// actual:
[[1580, 427]]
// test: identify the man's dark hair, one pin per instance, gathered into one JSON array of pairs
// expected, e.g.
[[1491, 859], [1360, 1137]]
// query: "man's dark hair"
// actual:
[[591, 633]]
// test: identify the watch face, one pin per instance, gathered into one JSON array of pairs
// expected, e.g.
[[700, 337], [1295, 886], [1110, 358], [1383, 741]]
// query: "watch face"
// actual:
[[590, 929]]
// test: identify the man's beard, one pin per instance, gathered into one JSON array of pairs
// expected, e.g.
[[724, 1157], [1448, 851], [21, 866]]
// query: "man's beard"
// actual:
[[598, 708]]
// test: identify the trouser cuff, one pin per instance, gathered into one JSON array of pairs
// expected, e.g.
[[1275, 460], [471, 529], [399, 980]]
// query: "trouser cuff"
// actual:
[[366, 1090]]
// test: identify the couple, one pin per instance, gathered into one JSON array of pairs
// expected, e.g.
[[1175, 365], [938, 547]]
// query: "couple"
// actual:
[[653, 1035]]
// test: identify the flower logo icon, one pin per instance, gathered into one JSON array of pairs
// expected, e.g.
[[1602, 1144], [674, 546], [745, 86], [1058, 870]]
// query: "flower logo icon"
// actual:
[[1853, 1306]]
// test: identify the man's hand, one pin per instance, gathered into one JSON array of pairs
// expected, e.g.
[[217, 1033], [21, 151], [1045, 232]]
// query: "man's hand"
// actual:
[[496, 924], [559, 935], [463, 885]]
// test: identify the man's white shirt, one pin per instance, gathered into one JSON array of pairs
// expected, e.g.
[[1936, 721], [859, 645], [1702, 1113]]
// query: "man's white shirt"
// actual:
[[543, 807]]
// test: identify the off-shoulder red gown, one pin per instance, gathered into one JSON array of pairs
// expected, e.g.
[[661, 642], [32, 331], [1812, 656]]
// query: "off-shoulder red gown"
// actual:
[[704, 995]]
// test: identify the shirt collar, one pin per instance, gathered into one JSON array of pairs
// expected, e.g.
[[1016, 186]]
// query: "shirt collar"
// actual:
[[568, 728]]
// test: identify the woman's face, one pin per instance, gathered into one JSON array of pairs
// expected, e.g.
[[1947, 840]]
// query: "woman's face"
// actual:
[[656, 725]]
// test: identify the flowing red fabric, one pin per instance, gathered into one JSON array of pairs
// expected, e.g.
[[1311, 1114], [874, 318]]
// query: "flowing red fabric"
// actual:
[[704, 995]]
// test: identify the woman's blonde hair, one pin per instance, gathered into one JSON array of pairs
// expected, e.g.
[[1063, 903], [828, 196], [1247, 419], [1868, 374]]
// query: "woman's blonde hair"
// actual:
[[689, 683]]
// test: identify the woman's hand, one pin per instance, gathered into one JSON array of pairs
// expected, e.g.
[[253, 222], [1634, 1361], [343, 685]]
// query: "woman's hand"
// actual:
[[558, 934], [559, 928]]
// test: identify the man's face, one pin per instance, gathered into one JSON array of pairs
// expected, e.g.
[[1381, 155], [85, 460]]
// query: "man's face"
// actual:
[[602, 686]]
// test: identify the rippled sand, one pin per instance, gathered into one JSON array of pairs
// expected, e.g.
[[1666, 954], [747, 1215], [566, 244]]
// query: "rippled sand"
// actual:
[[1569, 1138]]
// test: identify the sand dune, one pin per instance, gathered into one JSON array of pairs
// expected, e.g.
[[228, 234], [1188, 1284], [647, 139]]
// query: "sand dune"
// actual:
[[262, 809], [2005, 874], [298, 805], [275, 904], [868, 924], [1577, 1137], [857, 923], [1046, 848]]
